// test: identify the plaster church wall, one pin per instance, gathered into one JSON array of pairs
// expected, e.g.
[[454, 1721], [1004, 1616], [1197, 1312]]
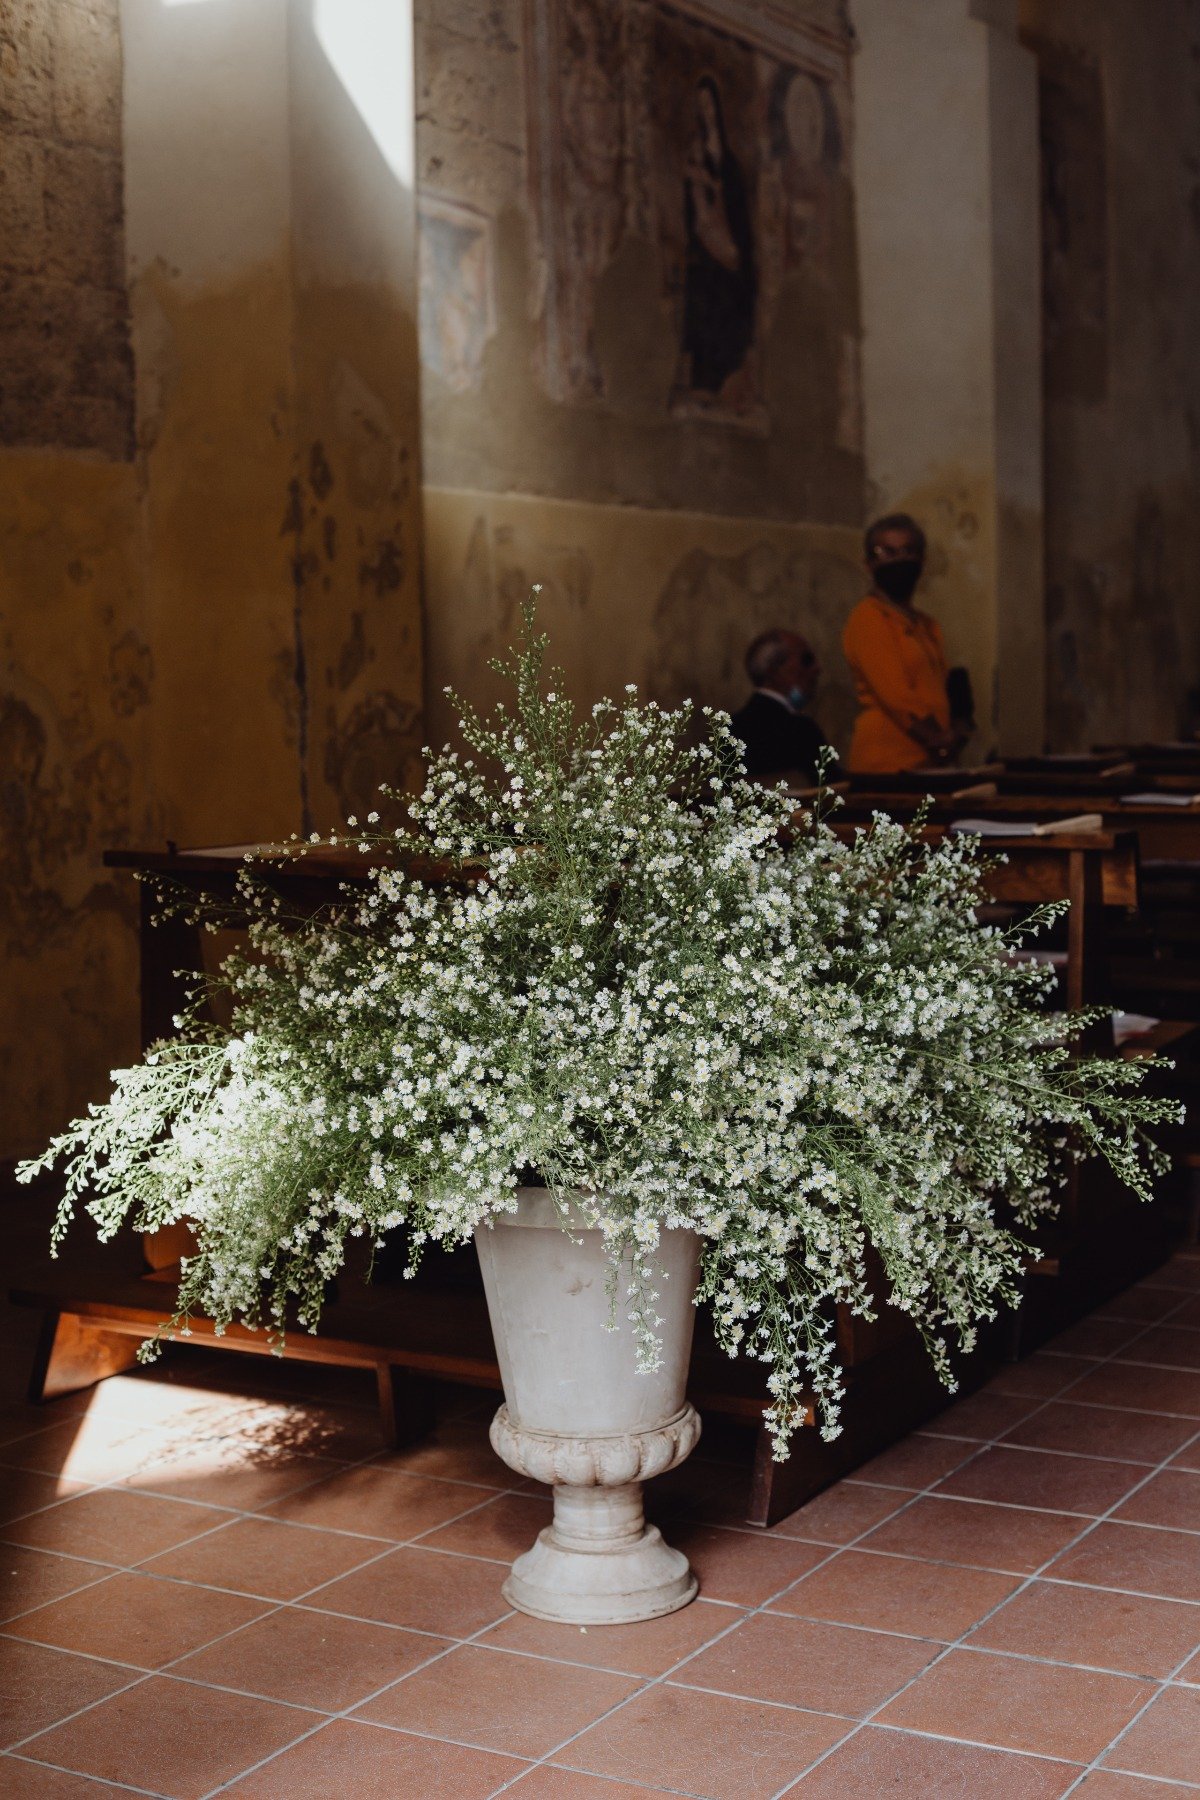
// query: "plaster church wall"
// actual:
[[1120, 133], [76, 665], [664, 370], [639, 338], [209, 528]]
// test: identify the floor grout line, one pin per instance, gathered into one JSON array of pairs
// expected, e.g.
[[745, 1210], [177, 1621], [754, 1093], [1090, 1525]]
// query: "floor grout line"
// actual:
[[60, 1768], [148, 1674], [943, 1655], [972, 1449], [1103, 1755], [165, 1670], [79, 1711], [751, 1612], [341, 1466], [365, 1700], [1051, 1449]]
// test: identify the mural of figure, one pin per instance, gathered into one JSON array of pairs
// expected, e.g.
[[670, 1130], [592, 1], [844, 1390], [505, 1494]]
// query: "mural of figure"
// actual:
[[456, 304], [682, 156], [720, 284], [593, 151]]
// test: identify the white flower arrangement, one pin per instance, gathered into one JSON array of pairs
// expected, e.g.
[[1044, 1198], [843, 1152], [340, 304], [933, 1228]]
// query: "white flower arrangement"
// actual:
[[633, 981]]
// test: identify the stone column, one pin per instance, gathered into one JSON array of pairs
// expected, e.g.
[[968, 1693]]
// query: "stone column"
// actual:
[[946, 179], [269, 195]]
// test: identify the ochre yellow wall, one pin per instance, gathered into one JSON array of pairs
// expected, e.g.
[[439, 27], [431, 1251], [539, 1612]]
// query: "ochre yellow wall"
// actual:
[[152, 613], [75, 698], [358, 555], [210, 617], [281, 555], [216, 456]]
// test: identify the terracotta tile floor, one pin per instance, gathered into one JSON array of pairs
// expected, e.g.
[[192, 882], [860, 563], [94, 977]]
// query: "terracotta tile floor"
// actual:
[[214, 1580]]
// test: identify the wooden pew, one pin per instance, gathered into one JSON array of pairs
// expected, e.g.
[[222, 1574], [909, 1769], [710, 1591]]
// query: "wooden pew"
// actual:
[[1143, 958], [1168, 757], [1092, 870], [438, 1325], [1164, 833], [1102, 1240], [435, 1326], [1115, 773], [1156, 969], [1024, 776]]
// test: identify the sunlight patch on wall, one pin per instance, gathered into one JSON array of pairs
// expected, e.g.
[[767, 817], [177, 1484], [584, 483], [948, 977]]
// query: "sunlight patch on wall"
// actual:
[[369, 46]]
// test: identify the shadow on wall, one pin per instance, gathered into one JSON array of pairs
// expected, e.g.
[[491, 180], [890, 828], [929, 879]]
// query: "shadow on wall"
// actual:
[[712, 607], [1119, 666], [661, 599]]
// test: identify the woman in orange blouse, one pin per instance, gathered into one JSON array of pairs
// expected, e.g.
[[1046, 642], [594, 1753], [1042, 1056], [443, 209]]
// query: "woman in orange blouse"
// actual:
[[898, 660]]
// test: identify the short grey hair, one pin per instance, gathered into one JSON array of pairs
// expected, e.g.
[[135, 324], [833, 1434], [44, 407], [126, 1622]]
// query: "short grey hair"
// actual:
[[767, 653], [897, 521]]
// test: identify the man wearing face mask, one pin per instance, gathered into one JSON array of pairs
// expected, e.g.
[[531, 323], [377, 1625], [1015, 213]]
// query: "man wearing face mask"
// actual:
[[782, 742], [898, 661]]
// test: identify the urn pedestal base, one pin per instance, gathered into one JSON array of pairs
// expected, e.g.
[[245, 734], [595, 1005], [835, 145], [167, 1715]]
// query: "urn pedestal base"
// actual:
[[580, 1414], [598, 1563]]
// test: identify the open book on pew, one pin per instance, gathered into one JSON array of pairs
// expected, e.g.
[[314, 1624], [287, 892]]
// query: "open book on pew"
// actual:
[[240, 852], [1128, 1027], [1158, 798], [1028, 828]]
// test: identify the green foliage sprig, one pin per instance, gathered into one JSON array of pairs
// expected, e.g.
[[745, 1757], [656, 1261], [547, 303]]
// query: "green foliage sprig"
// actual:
[[640, 983]]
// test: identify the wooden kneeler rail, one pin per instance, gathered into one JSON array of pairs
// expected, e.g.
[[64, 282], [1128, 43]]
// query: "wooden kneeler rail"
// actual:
[[406, 1336], [93, 1329]]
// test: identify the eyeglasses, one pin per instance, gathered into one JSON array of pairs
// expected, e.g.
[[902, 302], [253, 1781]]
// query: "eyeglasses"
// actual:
[[897, 553]]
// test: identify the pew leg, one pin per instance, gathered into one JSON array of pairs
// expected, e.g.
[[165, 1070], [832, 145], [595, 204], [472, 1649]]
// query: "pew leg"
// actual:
[[72, 1354], [762, 1481], [1192, 1164], [405, 1404], [778, 1488]]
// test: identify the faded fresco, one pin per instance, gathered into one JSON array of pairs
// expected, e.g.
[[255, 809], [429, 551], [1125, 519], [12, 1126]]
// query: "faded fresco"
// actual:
[[711, 606], [658, 598], [638, 258], [457, 302], [716, 135]]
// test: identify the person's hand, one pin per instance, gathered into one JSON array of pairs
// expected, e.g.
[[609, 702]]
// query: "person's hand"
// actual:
[[940, 741]]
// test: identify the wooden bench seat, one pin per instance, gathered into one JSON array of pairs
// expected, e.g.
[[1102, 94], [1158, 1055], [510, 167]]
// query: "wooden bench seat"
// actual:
[[94, 1324], [1168, 987]]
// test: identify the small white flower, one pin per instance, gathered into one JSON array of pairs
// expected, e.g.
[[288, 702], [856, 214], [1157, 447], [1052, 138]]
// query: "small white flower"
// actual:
[[803, 1051]]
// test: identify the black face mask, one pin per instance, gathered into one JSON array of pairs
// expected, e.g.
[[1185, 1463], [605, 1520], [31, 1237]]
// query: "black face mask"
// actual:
[[898, 579]]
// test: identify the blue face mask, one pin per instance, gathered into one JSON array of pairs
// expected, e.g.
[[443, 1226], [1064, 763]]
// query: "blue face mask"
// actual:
[[797, 699]]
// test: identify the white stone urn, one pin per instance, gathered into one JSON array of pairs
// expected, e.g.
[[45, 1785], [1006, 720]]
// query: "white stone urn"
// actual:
[[581, 1416]]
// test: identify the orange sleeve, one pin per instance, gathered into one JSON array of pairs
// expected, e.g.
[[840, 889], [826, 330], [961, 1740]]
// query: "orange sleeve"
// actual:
[[874, 655], [940, 642], [861, 641]]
